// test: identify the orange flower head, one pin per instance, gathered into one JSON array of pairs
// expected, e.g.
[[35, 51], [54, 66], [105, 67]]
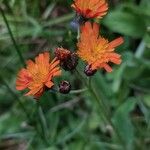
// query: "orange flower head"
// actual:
[[91, 8], [95, 50], [38, 75]]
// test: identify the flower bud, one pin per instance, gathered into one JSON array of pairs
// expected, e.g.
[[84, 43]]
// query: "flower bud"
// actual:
[[70, 63], [88, 71], [68, 59], [64, 87]]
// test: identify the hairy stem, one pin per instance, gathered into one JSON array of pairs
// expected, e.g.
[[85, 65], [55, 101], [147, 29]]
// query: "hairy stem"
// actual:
[[43, 123], [12, 37], [103, 109]]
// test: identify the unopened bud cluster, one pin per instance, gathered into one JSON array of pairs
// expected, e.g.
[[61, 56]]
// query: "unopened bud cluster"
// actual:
[[68, 59]]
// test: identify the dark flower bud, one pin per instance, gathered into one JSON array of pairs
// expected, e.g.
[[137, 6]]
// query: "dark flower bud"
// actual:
[[89, 71], [68, 59], [64, 87], [62, 54], [70, 63]]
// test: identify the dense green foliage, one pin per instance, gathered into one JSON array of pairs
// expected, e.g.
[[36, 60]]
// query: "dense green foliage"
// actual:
[[73, 121]]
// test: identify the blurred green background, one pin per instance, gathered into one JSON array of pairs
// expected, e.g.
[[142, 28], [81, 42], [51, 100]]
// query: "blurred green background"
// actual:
[[72, 122]]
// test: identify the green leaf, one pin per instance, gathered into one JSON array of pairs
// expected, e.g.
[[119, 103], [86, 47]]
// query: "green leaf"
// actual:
[[118, 74], [123, 123], [9, 123], [51, 148], [125, 23], [147, 100]]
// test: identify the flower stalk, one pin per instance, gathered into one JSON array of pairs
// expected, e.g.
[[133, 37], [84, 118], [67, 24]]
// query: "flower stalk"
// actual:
[[12, 37], [21, 106], [103, 109], [43, 123]]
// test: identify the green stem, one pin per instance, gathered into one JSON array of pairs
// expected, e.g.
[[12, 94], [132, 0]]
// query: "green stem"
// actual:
[[16, 97], [22, 106], [140, 50], [43, 123], [103, 108], [106, 114], [78, 33], [77, 91], [12, 37], [100, 101]]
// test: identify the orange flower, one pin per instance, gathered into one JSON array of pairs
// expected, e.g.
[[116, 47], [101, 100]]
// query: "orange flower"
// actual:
[[95, 50], [91, 8], [38, 75]]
